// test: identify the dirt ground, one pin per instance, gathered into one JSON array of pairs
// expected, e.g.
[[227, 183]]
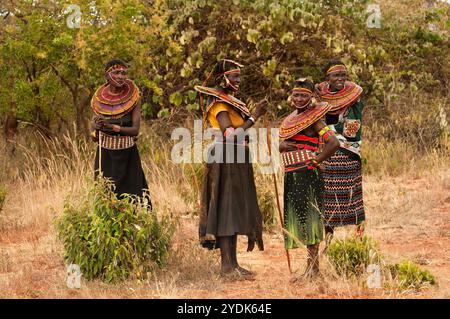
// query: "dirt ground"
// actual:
[[409, 218]]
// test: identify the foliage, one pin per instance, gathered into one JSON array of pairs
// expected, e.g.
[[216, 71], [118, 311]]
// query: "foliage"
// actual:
[[113, 238], [173, 44], [350, 256], [409, 275]]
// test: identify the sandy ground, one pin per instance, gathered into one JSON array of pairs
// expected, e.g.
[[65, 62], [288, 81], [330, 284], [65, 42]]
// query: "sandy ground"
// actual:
[[409, 218]]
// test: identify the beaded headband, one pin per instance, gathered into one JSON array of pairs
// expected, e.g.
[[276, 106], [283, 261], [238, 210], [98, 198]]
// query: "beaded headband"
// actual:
[[304, 90], [231, 61], [337, 68], [116, 67], [234, 71]]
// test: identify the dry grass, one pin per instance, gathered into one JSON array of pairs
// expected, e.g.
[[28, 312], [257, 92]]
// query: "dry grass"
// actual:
[[407, 214]]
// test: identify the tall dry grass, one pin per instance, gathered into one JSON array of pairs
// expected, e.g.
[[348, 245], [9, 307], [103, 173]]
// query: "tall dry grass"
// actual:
[[403, 188]]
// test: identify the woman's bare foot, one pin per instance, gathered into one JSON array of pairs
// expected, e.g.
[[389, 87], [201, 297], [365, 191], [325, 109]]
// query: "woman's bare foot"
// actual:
[[226, 270], [244, 272]]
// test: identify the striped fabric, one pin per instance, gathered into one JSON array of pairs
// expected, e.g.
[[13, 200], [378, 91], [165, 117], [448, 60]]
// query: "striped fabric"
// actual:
[[296, 159], [343, 197], [115, 142], [307, 148]]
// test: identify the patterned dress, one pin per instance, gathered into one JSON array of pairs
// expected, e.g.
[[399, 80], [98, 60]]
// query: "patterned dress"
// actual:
[[303, 199], [303, 187], [343, 178]]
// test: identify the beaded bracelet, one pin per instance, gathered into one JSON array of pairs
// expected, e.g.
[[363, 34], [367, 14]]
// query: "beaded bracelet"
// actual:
[[324, 130], [312, 163], [327, 135]]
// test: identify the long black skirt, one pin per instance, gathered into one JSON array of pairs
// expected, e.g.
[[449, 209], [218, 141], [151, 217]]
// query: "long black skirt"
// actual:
[[229, 204], [124, 168]]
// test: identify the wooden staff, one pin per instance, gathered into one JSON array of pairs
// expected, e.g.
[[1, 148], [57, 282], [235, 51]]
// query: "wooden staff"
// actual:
[[274, 177], [100, 152]]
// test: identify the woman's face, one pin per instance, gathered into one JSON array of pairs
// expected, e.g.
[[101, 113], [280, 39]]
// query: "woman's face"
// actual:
[[299, 99], [336, 81], [235, 80], [118, 77]]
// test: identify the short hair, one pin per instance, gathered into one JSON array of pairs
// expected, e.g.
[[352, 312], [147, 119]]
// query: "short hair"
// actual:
[[304, 83], [331, 63], [115, 62]]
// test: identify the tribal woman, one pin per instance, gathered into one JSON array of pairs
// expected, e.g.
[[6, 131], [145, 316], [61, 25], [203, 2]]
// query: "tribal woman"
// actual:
[[342, 175], [229, 205], [116, 122], [303, 184]]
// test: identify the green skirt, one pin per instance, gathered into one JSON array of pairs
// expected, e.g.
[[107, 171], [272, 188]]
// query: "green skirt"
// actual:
[[303, 207]]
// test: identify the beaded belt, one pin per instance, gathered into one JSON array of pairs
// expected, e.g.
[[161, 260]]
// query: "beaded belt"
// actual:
[[115, 142], [296, 157]]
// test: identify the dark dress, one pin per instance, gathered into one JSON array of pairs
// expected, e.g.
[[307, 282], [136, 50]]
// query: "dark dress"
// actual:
[[123, 166], [229, 205]]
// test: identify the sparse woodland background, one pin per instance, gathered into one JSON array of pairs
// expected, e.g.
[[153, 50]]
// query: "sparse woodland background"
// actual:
[[48, 73]]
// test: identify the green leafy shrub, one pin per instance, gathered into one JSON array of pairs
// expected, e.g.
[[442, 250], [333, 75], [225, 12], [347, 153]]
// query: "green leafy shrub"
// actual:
[[409, 275], [350, 256], [2, 196], [112, 238]]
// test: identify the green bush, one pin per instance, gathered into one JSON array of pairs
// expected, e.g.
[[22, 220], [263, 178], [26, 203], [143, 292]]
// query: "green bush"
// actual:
[[112, 238], [350, 256], [2, 197], [409, 275]]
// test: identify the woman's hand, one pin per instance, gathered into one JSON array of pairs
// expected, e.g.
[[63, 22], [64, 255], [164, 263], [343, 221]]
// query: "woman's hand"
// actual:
[[261, 109], [102, 125], [95, 126], [286, 146]]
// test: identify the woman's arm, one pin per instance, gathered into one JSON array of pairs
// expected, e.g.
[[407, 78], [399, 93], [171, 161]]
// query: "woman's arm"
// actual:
[[133, 130], [286, 146], [225, 122], [331, 142]]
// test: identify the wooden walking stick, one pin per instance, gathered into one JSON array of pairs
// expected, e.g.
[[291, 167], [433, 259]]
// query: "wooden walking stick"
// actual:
[[274, 177], [100, 153]]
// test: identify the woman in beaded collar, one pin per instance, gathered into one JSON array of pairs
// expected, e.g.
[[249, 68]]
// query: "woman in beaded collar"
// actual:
[[115, 125], [303, 184], [342, 174], [229, 205]]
